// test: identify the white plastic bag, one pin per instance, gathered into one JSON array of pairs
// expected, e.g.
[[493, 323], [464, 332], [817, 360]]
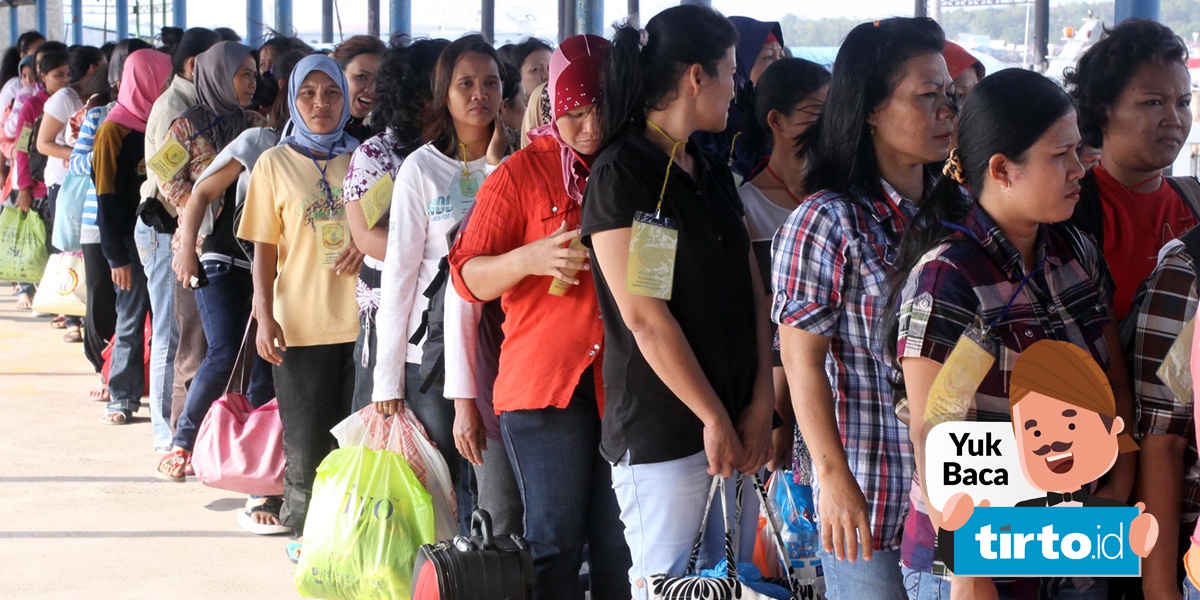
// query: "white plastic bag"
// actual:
[[404, 435]]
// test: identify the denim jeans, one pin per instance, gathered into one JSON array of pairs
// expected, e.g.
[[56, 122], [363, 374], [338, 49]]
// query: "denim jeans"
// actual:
[[224, 306], [436, 414], [662, 506], [566, 487], [155, 251], [497, 491], [314, 386], [922, 585], [1189, 590], [879, 578], [126, 375]]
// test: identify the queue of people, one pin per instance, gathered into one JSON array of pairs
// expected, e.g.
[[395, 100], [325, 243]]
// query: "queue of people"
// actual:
[[605, 272]]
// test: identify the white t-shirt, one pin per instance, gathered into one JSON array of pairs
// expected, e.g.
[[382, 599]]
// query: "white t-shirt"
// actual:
[[8, 93], [763, 217], [430, 197], [62, 106]]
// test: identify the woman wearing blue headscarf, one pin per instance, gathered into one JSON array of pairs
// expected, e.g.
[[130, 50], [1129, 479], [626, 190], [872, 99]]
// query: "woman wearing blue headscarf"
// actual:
[[303, 290]]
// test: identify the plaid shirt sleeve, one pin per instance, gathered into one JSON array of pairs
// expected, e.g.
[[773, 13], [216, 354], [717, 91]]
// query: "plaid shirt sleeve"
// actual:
[[807, 269], [936, 306], [1161, 308]]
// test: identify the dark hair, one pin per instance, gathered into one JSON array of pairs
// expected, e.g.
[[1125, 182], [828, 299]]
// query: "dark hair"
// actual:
[[439, 125], [637, 78], [781, 87], [82, 58], [51, 61], [839, 145], [284, 64], [510, 77], [281, 43], [52, 46], [505, 53], [405, 89], [228, 35], [194, 42], [27, 39], [1006, 113], [95, 84], [356, 46], [517, 53], [1104, 70], [170, 38], [116, 62], [107, 49]]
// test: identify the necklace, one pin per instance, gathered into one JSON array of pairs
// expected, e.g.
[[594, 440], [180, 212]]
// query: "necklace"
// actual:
[[783, 185]]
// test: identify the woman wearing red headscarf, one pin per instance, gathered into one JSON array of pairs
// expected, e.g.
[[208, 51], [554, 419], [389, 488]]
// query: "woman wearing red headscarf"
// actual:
[[521, 246]]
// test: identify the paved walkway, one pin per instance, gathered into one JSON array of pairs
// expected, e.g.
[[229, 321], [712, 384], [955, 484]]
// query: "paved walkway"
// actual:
[[81, 514]]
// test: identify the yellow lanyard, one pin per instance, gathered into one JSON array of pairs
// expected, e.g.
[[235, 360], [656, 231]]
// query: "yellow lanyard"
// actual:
[[733, 146], [462, 146], [674, 146]]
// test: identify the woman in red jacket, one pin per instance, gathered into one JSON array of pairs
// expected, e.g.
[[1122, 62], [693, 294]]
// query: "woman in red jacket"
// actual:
[[520, 246]]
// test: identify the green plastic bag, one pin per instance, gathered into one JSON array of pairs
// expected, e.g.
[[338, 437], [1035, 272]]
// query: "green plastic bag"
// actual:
[[366, 521], [23, 253]]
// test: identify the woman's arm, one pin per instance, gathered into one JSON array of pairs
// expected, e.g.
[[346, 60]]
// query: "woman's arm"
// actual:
[[1118, 484], [49, 130], [208, 190], [842, 505], [372, 241], [269, 341], [666, 349]]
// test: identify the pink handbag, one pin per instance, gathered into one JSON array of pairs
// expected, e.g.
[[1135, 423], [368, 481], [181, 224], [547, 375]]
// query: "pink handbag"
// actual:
[[238, 447]]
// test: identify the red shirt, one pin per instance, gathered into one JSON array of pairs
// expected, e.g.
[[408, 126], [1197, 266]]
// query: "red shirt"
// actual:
[[1136, 226], [549, 341]]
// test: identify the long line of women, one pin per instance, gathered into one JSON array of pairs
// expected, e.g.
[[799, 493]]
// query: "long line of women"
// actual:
[[602, 273]]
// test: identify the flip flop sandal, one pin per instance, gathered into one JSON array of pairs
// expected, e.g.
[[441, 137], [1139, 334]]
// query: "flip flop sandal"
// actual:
[[59, 322], [174, 460], [73, 336], [245, 518], [293, 552], [116, 417]]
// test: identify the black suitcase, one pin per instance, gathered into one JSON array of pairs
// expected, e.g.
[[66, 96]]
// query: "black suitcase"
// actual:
[[477, 568]]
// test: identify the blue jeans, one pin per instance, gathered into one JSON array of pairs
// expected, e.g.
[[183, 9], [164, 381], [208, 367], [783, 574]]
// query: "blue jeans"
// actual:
[[566, 487], [155, 251], [1189, 590], [126, 375], [922, 585], [224, 306], [879, 578]]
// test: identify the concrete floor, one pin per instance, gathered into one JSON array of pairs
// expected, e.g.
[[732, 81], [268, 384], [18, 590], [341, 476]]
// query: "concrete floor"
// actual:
[[81, 514]]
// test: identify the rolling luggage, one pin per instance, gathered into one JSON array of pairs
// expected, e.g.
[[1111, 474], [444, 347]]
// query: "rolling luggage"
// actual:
[[481, 567]]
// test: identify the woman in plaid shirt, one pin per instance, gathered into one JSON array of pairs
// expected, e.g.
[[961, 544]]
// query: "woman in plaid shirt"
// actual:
[[987, 257], [889, 113]]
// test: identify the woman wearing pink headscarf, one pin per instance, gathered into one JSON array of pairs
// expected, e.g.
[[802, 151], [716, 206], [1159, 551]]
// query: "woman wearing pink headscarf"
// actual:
[[549, 391], [118, 169]]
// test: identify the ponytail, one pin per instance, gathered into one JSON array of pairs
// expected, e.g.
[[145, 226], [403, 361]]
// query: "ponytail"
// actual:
[[624, 102]]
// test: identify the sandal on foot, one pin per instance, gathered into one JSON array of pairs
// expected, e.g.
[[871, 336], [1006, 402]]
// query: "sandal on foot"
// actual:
[[270, 506], [116, 417], [24, 302], [74, 335], [293, 552], [171, 467], [59, 322]]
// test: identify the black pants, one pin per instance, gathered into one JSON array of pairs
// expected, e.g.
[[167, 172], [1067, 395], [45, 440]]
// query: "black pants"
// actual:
[[101, 321], [315, 386]]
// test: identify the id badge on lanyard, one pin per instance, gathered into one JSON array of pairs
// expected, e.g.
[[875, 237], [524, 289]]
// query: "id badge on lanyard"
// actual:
[[653, 240], [974, 354]]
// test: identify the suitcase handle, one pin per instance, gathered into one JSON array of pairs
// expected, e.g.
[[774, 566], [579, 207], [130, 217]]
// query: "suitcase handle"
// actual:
[[481, 525]]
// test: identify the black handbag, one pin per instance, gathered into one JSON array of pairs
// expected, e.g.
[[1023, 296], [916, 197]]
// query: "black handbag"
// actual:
[[481, 567]]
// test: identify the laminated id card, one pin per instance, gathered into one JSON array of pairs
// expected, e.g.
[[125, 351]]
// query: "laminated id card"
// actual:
[[23, 139], [169, 159], [331, 241], [954, 388], [652, 245]]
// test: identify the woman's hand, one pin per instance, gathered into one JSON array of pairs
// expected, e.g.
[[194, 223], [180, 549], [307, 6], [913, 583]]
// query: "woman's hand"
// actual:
[[754, 433], [348, 261], [185, 264], [122, 277], [469, 435], [270, 335], [389, 407], [547, 256], [722, 447]]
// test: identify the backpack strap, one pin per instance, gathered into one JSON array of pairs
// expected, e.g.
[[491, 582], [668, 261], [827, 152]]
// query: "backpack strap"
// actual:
[[1089, 213], [1189, 189], [1191, 244]]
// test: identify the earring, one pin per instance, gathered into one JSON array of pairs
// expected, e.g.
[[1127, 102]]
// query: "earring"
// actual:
[[872, 130]]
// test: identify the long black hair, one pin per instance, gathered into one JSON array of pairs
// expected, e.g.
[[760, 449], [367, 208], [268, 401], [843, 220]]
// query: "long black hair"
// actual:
[[868, 66], [1104, 70], [639, 78], [1006, 113], [81, 59], [10, 64], [405, 89], [781, 87]]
